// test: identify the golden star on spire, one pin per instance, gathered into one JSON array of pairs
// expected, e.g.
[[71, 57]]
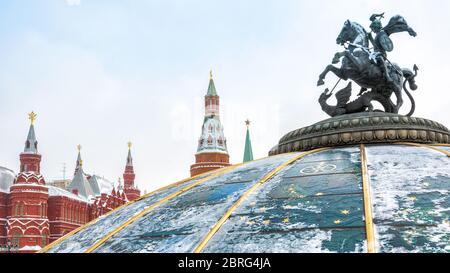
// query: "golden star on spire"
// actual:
[[32, 117], [129, 145], [337, 222], [247, 123], [79, 147]]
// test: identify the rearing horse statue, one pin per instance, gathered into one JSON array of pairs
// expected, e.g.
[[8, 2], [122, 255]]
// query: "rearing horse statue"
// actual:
[[359, 64]]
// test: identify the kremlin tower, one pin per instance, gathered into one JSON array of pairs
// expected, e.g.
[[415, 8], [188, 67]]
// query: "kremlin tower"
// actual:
[[130, 190], [28, 223], [248, 152], [212, 146]]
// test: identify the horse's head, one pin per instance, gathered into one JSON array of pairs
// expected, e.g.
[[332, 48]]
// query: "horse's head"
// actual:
[[346, 34]]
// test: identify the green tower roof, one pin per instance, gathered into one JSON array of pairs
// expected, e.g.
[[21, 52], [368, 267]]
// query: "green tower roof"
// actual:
[[211, 88], [248, 153]]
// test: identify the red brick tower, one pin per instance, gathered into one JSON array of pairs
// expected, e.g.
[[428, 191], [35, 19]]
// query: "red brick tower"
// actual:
[[212, 150], [28, 224], [130, 190]]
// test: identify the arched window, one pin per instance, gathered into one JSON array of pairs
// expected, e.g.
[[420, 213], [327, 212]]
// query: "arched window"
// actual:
[[43, 210], [15, 240], [16, 210], [19, 210], [210, 140], [27, 144], [44, 240], [210, 128]]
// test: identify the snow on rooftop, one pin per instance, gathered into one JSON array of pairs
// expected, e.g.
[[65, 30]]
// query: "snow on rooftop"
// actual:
[[55, 191], [101, 185], [6, 179], [30, 248]]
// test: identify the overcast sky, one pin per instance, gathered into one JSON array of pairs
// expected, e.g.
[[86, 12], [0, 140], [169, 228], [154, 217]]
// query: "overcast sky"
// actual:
[[102, 72]]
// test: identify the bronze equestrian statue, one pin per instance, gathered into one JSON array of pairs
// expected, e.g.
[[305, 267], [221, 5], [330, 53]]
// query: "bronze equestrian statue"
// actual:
[[369, 68]]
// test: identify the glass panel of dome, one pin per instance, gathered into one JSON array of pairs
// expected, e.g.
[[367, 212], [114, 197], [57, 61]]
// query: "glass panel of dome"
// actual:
[[410, 195], [82, 240], [420, 239], [308, 241], [210, 195], [183, 227], [330, 161], [334, 154], [296, 210], [318, 185], [332, 211]]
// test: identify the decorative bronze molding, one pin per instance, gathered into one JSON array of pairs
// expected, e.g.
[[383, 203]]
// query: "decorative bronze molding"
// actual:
[[363, 128]]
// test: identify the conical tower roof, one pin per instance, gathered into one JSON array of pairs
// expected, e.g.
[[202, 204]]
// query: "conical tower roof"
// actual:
[[129, 157], [211, 87], [81, 183], [248, 152], [31, 142], [79, 160]]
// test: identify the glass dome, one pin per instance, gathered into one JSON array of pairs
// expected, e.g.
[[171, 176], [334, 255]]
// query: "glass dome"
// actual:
[[373, 198]]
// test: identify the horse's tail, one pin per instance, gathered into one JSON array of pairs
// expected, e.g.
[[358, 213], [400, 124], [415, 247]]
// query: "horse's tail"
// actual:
[[410, 78]]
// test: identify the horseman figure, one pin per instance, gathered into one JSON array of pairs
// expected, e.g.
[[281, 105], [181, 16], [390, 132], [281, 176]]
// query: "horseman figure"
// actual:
[[370, 67], [382, 43]]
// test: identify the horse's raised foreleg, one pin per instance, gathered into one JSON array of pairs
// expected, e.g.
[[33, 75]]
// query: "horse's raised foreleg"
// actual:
[[331, 68], [337, 57]]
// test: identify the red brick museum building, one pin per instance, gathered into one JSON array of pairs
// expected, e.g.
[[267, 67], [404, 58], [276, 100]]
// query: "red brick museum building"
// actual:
[[33, 213]]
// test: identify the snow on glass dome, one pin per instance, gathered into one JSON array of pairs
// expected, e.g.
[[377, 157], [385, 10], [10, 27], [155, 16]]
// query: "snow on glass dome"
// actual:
[[373, 198]]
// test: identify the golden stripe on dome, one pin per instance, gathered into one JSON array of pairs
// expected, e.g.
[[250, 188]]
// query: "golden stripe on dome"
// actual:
[[227, 214], [368, 216], [157, 204], [433, 147], [441, 144]]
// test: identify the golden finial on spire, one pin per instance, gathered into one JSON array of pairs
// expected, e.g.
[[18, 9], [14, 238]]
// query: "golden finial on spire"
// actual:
[[79, 147], [32, 117], [129, 145], [247, 122], [210, 74]]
